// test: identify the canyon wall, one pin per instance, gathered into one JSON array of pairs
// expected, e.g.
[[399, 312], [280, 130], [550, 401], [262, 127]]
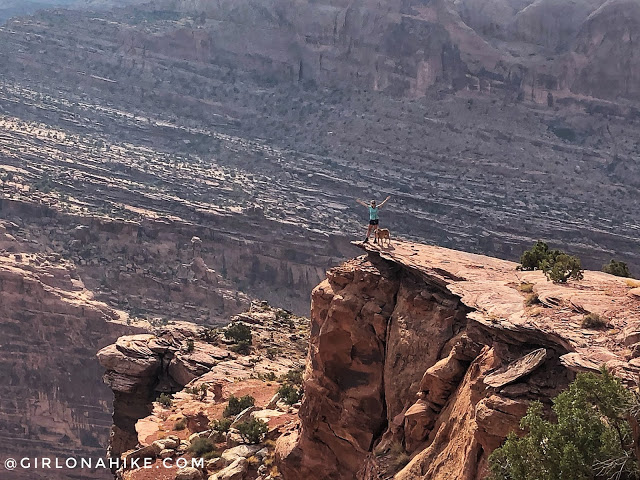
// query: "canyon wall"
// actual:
[[405, 47], [53, 402], [433, 355], [203, 268]]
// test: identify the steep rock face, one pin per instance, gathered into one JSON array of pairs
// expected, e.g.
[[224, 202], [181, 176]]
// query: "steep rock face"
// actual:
[[374, 327], [367, 44], [405, 47], [345, 369], [606, 47], [434, 353], [51, 327]]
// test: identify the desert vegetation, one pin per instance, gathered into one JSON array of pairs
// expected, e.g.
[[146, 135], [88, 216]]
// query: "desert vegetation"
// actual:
[[617, 268], [591, 437], [556, 264]]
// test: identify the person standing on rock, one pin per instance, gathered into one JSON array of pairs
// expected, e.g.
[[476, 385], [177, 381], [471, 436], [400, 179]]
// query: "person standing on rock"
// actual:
[[373, 215]]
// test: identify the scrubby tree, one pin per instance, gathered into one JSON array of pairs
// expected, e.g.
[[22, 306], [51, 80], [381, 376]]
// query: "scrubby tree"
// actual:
[[532, 259], [290, 394], [252, 430], [238, 332], [591, 439], [556, 264], [619, 269], [561, 268], [237, 405]]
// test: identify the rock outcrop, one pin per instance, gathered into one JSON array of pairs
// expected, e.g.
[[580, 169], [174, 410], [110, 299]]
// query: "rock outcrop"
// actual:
[[199, 370], [50, 329], [431, 355]]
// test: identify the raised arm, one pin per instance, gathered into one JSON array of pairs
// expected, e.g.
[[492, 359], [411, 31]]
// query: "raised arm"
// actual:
[[361, 202], [385, 201]]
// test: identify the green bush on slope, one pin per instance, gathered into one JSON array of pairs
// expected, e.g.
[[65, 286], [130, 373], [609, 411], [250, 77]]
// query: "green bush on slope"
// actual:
[[591, 439], [556, 265]]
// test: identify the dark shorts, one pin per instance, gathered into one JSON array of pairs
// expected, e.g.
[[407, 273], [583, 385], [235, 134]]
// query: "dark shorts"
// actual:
[[373, 222]]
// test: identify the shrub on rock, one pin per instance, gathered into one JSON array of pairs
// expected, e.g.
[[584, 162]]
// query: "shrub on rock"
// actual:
[[533, 258], [289, 393], [252, 430], [619, 269], [238, 332], [203, 447], [236, 405], [562, 268], [293, 376], [165, 400], [222, 425], [593, 320], [556, 265], [591, 439]]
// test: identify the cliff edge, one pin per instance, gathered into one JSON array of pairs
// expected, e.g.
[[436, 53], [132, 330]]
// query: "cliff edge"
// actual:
[[422, 359]]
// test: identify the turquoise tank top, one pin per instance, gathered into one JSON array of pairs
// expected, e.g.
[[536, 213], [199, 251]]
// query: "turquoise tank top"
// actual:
[[373, 213]]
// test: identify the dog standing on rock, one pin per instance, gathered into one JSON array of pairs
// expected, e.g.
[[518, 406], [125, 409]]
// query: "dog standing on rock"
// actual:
[[383, 234]]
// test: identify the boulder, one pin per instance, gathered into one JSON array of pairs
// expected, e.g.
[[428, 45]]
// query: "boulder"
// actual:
[[235, 471], [266, 415], [516, 370], [442, 378], [262, 453], [129, 362], [145, 452], [166, 453], [419, 420], [189, 473], [165, 443], [496, 417], [215, 464], [241, 451]]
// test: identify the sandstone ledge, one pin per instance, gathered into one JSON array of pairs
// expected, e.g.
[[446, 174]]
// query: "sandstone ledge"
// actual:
[[489, 286], [434, 354]]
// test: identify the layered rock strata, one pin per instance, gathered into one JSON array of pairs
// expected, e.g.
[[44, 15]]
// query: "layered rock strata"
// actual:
[[53, 401]]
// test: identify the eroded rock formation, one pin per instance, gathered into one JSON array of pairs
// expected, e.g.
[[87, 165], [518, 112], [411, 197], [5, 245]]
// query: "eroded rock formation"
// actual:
[[51, 326], [433, 354], [141, 367]]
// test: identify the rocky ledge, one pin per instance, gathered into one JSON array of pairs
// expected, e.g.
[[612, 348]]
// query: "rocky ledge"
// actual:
[[171, 389], [423, 359], [420, 361]]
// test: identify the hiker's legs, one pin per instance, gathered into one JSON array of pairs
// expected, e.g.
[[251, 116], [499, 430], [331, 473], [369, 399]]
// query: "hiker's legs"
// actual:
[[369, 230]]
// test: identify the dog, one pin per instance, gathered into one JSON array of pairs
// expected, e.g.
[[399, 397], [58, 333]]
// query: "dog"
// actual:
[[382, 234]]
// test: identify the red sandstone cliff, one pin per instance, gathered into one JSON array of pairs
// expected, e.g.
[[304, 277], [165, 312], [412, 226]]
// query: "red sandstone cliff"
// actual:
[[420, 361], [429, 356]]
